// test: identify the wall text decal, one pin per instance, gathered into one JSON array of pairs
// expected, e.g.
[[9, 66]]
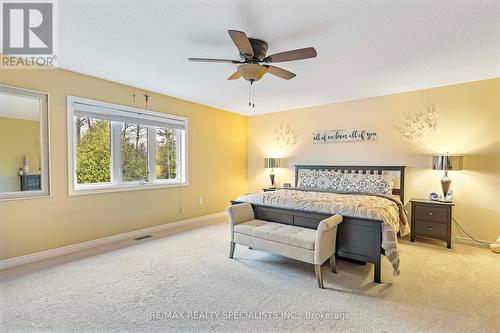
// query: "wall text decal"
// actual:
[[345, 135]]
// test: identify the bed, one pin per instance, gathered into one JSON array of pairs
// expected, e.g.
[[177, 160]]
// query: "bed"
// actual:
[[359, 239]]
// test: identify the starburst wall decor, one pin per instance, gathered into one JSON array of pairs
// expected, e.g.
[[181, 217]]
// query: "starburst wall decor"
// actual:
[[418, 123], [286, 135]]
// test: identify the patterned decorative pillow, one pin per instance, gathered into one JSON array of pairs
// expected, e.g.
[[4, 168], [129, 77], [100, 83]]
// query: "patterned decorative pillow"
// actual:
[[366, 183], [324, 180]]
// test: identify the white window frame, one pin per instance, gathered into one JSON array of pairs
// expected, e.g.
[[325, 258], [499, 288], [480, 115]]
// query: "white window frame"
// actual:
[[43, 99], [116, 184]]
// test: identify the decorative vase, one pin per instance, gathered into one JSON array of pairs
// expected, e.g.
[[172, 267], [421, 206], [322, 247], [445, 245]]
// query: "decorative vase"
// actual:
[[26, 164]]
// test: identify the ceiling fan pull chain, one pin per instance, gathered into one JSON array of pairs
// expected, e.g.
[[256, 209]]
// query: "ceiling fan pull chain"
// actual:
[[250, 95], [253, 96]]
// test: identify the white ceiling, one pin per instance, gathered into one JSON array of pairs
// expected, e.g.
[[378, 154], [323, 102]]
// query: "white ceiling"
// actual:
[[365, 48], [19, 107]]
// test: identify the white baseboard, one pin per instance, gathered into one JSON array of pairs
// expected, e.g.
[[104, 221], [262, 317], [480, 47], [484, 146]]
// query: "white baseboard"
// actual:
[[468, 241], [29, 258]]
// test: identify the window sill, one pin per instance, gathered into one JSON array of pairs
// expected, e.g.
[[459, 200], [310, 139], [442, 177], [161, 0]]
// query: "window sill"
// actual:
[[97, 189], [23, 195]]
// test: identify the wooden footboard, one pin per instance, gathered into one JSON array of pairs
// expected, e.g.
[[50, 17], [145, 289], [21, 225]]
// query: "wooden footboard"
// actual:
[[357, 238]]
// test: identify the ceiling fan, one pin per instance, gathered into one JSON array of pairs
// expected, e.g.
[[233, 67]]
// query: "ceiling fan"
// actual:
[[253, 63], [253, 54]]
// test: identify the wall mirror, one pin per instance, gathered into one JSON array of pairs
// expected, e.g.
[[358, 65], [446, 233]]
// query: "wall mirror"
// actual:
[[24, 165]]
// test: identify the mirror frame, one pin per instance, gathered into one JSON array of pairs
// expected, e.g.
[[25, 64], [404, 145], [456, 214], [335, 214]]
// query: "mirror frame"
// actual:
[[43, 99]]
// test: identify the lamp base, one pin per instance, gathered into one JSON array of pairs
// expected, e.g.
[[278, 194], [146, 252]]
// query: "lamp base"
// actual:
[[445, 184], [272, 180]]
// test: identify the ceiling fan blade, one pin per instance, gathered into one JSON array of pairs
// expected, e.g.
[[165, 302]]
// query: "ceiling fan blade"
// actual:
[[215, 60], [236, 75], [280, 72], [305, 53], [241, 41]]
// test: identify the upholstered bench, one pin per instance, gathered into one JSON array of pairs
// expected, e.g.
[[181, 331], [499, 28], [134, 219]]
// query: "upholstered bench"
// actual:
[[308, 245]]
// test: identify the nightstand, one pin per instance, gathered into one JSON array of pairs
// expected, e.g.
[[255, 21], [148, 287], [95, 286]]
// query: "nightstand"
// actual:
[[269, 189], [30, 182], [431, 219]]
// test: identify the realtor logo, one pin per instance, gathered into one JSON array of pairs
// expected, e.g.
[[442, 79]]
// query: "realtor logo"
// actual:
[[28, 34], [27, 28]]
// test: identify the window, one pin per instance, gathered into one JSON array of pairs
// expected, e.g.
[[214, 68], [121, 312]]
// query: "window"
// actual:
[[166, 153], [93, 150], [134, 140], [115, 148]]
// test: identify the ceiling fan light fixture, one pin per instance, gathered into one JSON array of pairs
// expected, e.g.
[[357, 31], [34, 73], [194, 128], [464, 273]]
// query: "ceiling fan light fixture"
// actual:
[[252, 72]]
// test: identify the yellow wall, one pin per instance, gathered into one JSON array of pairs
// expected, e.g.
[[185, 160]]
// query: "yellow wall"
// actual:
[[18, 137], [226, 154], [468, 123], [217, 170]]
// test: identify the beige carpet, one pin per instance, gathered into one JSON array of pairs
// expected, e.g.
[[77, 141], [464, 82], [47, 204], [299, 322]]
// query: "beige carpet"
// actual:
[[187, 284]]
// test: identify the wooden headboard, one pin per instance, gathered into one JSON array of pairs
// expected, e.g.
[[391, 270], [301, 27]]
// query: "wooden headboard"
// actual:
[[363, 169]]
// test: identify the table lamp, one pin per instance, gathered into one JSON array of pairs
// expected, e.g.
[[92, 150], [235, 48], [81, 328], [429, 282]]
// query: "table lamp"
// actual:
[[271, 163], [447, 162]]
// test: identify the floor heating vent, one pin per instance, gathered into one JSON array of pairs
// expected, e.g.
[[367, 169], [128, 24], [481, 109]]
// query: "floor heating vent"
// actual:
[[142, 237]]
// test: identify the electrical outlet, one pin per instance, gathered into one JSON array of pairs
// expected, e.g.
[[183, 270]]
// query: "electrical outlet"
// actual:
[[201, 200]]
